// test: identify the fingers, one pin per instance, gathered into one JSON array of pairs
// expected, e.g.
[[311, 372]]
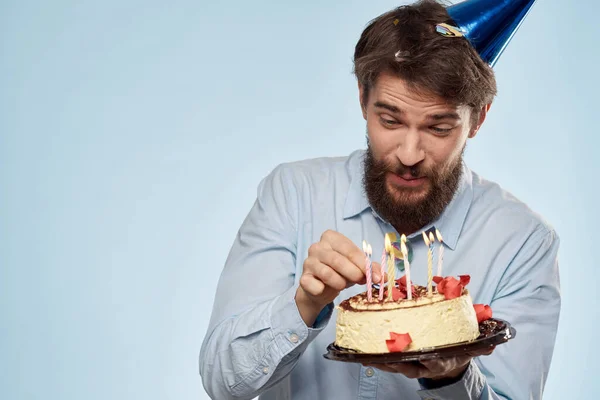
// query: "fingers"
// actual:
[[344, 246], [483, 352], [327, 276], [410, 370], [334, 264], [445, 366], [439, 367], [330, 277], [311, 285], [340, 254], [427, 368], [376, 274], [376, 268], [339, 263]]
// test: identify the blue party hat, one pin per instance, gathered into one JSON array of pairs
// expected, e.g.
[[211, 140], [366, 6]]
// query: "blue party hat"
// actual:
[[488, 24]]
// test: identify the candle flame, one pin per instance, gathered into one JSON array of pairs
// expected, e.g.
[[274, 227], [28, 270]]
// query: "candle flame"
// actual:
[[369, 250], [431, 238], [403, 248], [388, 243], [439, 236], [403, 238], [425, 239], [364, 243]]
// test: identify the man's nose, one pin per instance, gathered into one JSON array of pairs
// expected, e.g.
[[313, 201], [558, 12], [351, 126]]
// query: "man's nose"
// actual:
[[410, 150]]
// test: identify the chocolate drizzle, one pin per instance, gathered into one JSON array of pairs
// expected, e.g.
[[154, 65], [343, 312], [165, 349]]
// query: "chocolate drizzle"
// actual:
[[419, 291], [487, 327]]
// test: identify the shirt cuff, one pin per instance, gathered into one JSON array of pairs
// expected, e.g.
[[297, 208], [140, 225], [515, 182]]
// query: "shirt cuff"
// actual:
[[469, 387], [289, 330], [291, 337]]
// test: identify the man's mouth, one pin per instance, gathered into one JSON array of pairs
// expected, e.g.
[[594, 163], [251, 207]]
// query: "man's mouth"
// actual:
[[406, 180]]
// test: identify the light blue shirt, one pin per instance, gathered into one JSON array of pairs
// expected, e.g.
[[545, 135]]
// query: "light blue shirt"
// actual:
[[257, 343]]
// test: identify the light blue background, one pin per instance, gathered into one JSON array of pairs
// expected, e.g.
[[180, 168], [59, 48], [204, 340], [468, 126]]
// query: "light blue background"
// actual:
[[133, 135]]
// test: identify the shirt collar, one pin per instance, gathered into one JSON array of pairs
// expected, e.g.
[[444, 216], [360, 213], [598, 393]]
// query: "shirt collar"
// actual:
[[450, 223], [356, 199]]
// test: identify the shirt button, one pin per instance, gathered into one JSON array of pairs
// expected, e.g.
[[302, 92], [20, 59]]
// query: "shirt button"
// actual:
[[265, 370], [294, 338], [369, 372]]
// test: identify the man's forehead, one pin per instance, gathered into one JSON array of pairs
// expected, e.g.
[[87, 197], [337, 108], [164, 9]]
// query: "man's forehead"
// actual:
[[392, 93]]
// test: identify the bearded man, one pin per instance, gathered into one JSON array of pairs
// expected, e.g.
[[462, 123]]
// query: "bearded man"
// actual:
[[424, 90]]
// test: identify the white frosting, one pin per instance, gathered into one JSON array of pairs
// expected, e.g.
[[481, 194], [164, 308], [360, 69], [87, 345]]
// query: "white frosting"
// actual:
[[429, 321]]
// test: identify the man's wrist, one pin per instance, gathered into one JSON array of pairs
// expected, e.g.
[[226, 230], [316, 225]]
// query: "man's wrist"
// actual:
[[309, 310]]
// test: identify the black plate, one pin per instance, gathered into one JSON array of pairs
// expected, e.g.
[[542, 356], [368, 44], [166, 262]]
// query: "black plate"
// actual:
[[492, 333]]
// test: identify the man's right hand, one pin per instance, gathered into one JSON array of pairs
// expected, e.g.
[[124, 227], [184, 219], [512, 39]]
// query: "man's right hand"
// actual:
[[333, 264]]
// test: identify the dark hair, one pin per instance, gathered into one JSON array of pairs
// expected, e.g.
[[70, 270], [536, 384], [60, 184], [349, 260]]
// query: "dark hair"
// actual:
[[404, 42]]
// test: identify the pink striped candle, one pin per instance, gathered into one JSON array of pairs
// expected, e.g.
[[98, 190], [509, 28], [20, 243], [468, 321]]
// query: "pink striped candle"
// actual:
[[382, 274], [369, 269], [369, 283]]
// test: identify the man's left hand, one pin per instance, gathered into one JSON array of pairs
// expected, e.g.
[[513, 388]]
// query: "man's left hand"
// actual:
[[438, 369]]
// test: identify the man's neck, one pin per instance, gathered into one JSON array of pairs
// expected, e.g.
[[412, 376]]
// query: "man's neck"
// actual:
[[407, 229]]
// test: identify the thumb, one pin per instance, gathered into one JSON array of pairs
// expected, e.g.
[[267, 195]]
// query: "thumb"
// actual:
[[376, 268]]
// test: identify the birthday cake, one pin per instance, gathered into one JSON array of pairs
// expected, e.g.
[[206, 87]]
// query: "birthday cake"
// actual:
[[384, 322], [406, 325]]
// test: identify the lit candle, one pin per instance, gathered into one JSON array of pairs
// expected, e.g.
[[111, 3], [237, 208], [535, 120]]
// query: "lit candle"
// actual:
[[365, 252], [430, 270], [389, 249], [441, 252], [391, 266], [382, 274], [369, 273], [429, 264], [406, 267]]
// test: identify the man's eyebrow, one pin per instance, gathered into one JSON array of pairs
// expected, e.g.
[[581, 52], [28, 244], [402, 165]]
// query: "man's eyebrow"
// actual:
[[389, 107], [436, 117], [448, 115]]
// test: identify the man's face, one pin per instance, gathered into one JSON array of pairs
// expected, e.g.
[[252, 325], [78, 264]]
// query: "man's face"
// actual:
[[414, 158]]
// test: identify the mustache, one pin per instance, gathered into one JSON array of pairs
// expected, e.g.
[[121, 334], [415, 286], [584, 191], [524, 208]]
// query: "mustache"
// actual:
[[415, 171]]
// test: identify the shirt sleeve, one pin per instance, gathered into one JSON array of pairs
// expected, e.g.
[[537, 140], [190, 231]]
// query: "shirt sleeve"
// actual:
[[528, 297], [256, 333]]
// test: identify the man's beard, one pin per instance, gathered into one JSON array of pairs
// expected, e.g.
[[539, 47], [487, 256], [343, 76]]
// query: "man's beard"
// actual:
[[402, 208]]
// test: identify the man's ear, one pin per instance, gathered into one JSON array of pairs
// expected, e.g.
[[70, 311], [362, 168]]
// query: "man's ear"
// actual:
[[482, 115], [363, 107]]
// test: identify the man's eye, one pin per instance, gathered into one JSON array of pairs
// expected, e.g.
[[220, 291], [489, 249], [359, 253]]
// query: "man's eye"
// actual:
[[440, 130], [388, 122]]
